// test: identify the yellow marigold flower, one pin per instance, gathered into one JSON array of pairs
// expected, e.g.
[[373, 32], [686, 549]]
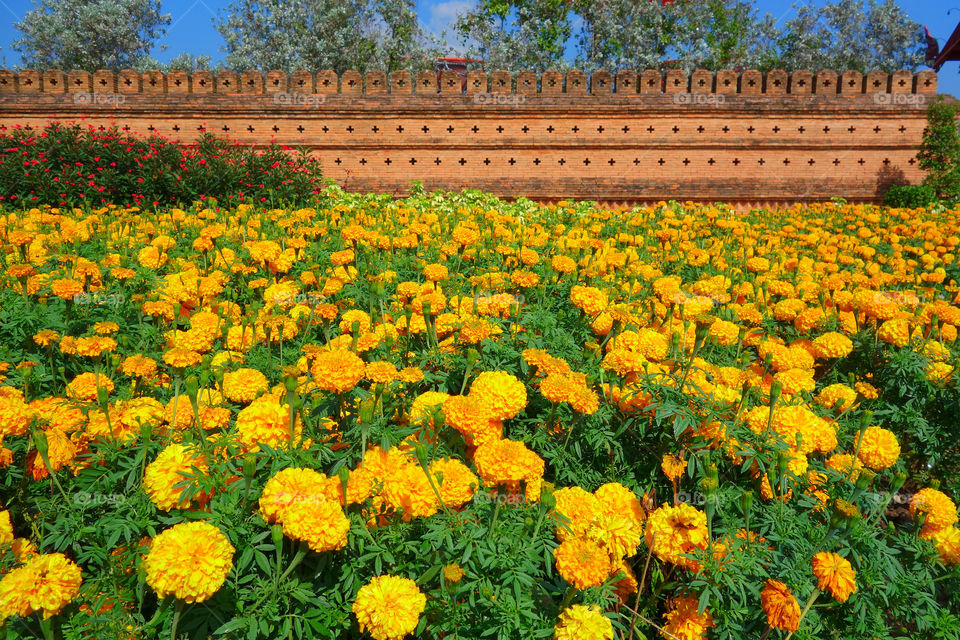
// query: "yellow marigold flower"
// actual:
[[244, 385], [180, 358], [673, 467], [266, 421], [940, 510], [15, 414], [725, 333], [508, 463], [456, 482], [389, 607], [139, 365], [171, 468], [616, 498], [472, 418], [381, 372], [66, 288], [895, 332], [435, 272], [618, 533], [843, 463], [780, 605], [878, 448], [834, 574], [45, 337], [947, 540], [580, 622], [829, 397], [674, 531], [320, 523], [453, 573], [84, 386], [46, 583], [503, 394], [832, 345], [6, 528], [563, 264], [426, 405], [683, 620], [106, 328], [337, 371], [939, 372], [579, 508], [582, 562], [409, 489], [867, 390], [584, 400], [189, 561], [589, 299], [289, 487]]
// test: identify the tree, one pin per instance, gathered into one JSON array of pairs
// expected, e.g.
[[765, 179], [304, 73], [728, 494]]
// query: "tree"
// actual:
[[626, 34], [690, 34], [89, 34], [517, 34], [846, 34], [323, 34], [939, 153]]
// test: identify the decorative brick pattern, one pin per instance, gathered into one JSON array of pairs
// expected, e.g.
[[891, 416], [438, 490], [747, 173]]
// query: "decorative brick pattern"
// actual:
[[747, 138]]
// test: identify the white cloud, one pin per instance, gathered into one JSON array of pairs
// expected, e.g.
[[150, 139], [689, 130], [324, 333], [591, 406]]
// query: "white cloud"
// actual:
[[442, 16]]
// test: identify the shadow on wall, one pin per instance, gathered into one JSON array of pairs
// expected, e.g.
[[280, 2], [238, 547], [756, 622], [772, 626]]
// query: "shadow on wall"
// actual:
[[888, 176]]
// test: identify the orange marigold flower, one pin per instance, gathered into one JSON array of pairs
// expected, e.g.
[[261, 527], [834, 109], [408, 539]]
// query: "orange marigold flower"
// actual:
[[582, 562], [244, 385], [503, 394], [46, 583], [66, 288], [84, 386], [684, 620], [834, 574], [940, 510], [180, 358], [672, 532], [832, 345], [509, 462], [878, 448], [780, 605], [337, 371]]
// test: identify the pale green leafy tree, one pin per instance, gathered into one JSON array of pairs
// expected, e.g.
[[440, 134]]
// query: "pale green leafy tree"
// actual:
[[290, 35], [89, 34]]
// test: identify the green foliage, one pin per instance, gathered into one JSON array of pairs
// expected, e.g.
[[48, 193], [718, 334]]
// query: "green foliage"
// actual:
[[362, 35], [939, 153], [909, 196], [89, 34], [73, 165]]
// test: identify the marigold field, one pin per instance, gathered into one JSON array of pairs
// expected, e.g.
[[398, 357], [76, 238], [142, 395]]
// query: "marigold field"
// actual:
[[450, 416]]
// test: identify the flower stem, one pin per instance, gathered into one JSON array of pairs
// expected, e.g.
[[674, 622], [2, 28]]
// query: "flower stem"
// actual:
[[176, 619], [816, 593]]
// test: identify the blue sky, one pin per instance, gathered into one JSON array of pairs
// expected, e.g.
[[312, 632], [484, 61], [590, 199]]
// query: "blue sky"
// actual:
[[192, 30]]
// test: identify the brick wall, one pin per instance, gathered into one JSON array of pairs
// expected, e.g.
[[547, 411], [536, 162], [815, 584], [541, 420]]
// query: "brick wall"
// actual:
[[747, 138]]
